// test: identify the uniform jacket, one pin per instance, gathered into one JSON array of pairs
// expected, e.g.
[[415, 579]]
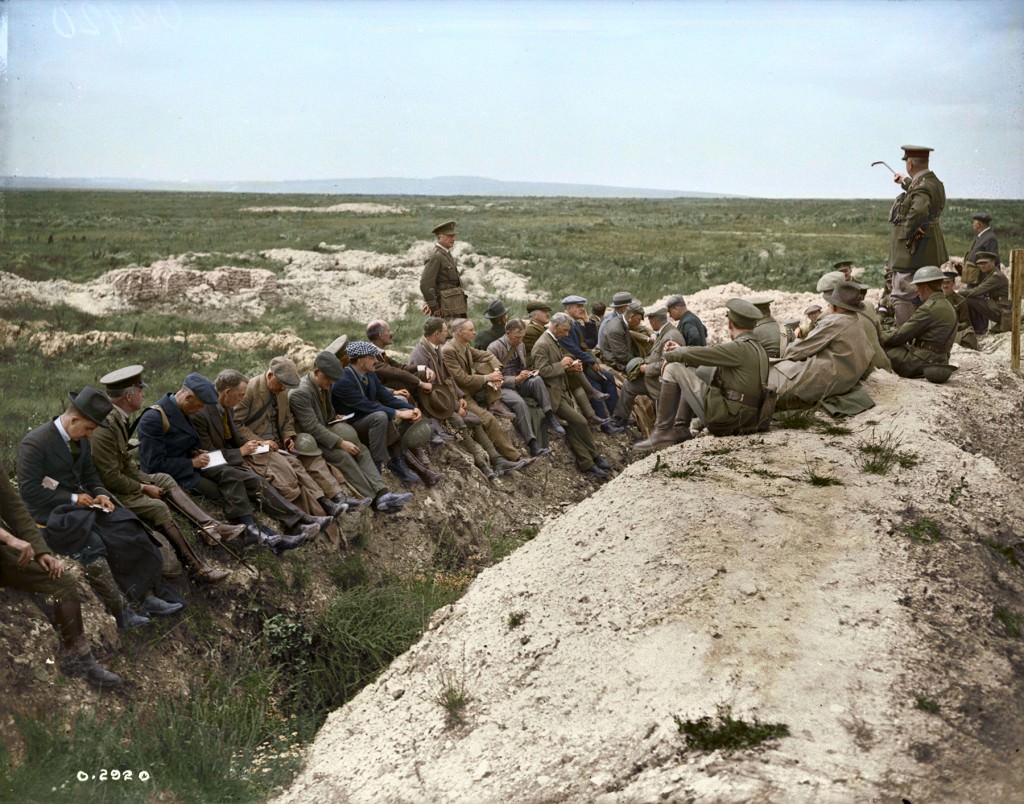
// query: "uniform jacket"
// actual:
[[692, 329], [616, 344], [931, 328], [312, 408], [43, 454], [920, 204], [461, 360], [768, 333], [263, 415], [363, 394], [169, 452], [829, 361], [547, 357], [111, 455], [440, 272], [533, 331], [994, 285], [15, 518], [742, 366]]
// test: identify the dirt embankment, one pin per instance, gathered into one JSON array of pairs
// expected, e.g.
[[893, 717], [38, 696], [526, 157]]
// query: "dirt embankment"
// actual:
[[878, 617]]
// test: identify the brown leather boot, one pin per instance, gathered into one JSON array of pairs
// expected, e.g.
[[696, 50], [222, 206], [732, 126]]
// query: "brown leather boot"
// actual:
[[209, 528], [666, 431], [77, 659], [198, 569], [430, 477]]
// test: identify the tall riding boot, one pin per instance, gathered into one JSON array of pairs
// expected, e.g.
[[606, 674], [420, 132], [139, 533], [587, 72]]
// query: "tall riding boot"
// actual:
[[430, 477], [210, 529], [666, 431], [77, 659], [199, 569]]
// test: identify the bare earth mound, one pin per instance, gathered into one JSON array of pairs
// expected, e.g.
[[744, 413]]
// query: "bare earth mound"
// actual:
[[879, 618]]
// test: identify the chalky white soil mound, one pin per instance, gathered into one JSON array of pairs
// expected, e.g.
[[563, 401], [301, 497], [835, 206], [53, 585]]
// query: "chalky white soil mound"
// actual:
[[863, 615]]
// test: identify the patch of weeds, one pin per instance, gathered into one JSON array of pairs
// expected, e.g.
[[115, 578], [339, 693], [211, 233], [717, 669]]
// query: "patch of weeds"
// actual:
[[696, 468], [795, 420], [516, 619], [287, 641], [503, 545], [727, 733], [815, 478], [719, 451], [448, 555], [453, 697], [923, 531], [957, 491], [1004, 550], [926, 705], [879, 454], [347, 572], [826, 428], [1011, 620]]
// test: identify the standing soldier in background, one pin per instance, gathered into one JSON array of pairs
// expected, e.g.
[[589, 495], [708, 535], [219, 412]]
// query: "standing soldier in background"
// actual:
[[440, 285], [917, 238]]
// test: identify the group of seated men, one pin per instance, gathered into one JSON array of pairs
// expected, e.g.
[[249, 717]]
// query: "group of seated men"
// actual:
[[304, 450]]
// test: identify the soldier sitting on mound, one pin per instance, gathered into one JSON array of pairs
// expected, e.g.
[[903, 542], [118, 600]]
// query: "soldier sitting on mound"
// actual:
[[989, 299], [965, 334], [925, 340]]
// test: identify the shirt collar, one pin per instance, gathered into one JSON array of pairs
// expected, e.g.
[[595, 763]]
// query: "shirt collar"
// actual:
[[62, 431]]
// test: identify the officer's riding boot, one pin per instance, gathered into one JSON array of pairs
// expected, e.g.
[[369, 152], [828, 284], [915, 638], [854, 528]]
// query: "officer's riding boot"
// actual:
[[430, 477], [210, 529], [77, 659], [198, 569], [666, 431]]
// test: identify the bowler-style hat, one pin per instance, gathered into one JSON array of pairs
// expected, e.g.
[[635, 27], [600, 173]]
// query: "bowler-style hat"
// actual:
[[742, 313], [496, 309], [201, 387], [622, 298], [91, 403]]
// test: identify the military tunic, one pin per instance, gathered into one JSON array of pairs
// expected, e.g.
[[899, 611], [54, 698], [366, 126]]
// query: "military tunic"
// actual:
[[990, 297], [924, 339], [919, 205], [769, 335], [441, 286]]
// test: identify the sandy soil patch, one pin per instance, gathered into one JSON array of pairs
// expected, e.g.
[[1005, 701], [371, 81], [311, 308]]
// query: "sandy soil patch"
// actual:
[[366, 208]]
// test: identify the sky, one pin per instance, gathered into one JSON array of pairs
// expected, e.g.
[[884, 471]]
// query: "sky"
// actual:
[[770, 99]]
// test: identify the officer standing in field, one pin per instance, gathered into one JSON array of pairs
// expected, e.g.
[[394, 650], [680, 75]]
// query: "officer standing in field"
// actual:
[[917, 238], [440, 284]]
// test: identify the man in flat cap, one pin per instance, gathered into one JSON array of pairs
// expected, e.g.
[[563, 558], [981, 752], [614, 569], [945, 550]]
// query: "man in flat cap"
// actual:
[[597, 381], [149, 495], [551, 362], [170, 443], [263, 415], [989, 300], [686, 321], [389, 424], [313, 410], [440, 284], [812, 313], [497, 316], [984, 240], [927, 336], [721, 385], [27, 563], [64, 494], [917, 238], [831, 360]]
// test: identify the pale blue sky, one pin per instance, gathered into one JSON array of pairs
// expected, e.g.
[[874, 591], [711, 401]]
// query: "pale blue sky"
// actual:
[[777, 99]]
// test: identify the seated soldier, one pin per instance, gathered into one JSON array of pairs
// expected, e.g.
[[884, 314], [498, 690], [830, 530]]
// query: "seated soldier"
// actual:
[[552, 364], [926, 338], [965, 334], [989, 300], [389, 424], [169, 443], [466, 366], [148, 495], [721, 385], [768, 332], [63, 492], [831, 360], [28, 564], [263, 415], [519, 383], [313, 410]]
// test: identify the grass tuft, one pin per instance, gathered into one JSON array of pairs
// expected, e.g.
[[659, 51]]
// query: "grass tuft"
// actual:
[[880, 454], [815, 478], [1011, 621], [726, 733], [453, 698], [926, 705], [924, 531], [516, 619]]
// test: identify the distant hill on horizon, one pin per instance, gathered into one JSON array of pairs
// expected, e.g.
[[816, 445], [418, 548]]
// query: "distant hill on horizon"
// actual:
[[438, 185]]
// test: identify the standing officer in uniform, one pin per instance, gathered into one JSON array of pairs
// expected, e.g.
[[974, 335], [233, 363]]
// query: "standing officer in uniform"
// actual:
[[917, 238], [440, 285]]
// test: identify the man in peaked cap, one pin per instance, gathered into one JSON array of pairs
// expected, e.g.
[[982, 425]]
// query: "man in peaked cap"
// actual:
[[767, 332], [984, 240], [927, 336], [497, 314], [440, 283], [965, 334], [63, 492], [989, 300], [917, 238], [538, 314], [722, 385], [845, 267], [149, 495], [831, 360], [311, 405]]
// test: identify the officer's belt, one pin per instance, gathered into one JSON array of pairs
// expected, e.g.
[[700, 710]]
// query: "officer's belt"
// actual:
[[931, 346], [743, 399]]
